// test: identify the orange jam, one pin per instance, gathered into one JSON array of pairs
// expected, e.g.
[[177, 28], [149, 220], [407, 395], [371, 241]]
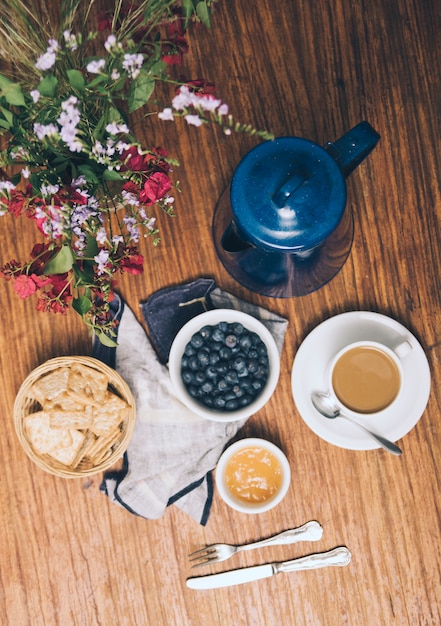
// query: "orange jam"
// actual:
[[253, 475]]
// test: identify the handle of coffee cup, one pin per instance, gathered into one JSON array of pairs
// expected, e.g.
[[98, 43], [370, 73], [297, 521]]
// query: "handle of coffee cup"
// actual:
[[402, 349]]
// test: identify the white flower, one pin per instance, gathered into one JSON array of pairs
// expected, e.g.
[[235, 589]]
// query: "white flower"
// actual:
[[101, 236], [71, 40], [112, 43], [45, 61], [223, 109], [101, 260], [132, 63], [95, 67], [49, 190], [25, 172], [115, 128], [35, 95], [207, 104], [183, 99], [48, 58], [193, 120], [45, 130], [115, 74], [6, 185], [166, 115]]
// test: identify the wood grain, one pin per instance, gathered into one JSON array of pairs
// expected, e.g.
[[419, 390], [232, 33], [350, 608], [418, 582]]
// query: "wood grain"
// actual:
[[313, 69]]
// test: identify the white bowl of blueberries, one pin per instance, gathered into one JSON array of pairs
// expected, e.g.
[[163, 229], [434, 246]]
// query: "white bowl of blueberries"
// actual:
[[224, 365]]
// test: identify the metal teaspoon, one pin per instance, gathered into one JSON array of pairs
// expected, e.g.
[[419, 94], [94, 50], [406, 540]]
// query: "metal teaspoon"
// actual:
[[325, 405]]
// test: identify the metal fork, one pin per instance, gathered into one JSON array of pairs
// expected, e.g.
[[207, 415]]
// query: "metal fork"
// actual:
[[311, 531]]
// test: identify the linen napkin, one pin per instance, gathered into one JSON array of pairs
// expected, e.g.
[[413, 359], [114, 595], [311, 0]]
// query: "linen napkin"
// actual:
[[173, 451]]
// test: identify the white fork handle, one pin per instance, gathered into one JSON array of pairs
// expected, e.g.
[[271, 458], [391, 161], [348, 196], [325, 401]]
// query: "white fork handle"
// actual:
[[311, 531]]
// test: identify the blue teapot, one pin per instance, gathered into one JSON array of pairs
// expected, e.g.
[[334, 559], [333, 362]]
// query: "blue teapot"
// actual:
[[282, 228]]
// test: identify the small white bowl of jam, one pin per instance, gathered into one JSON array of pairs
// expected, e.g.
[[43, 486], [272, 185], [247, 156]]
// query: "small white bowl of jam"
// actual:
[[253, 475]]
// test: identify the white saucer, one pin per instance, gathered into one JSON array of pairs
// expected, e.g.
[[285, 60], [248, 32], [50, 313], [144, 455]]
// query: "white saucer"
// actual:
[[309, 374]]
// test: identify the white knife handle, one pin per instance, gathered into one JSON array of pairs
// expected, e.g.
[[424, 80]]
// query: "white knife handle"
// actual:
[[311, 531], [339, 556]]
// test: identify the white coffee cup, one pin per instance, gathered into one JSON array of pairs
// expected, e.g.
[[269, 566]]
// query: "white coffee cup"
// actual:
[[366, 377]]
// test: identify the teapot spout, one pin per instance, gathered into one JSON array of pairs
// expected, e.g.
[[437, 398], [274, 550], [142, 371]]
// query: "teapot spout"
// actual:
[[355, 145]]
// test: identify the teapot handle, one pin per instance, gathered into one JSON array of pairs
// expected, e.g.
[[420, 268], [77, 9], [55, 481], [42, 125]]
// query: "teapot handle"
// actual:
[[355, 145]]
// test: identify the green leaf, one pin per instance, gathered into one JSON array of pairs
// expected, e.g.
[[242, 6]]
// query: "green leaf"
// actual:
[[61, 263], [11, 91], [88, 174], [97, 81], [76, 79], [82, 305], [111, 175], [140, 91], [203, 13], [48, 86], [105, 339], [9, 117], [187, 10]]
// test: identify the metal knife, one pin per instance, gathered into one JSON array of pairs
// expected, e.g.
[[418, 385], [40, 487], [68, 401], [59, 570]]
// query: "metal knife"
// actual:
[[339, 557]]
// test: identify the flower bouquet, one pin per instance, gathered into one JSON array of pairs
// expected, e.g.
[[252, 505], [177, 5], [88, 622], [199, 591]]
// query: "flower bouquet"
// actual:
[[70, 161]]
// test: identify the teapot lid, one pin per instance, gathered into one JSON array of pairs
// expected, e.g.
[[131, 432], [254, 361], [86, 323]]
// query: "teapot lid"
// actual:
[[288, 194]]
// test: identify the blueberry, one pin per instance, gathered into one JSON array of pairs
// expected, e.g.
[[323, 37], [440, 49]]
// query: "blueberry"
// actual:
[[225, 353], [261, 372], [207, 387], [239, 363], [231, 341], [203, 356], [222, 385], [197, 341], [187, 377], [219, 402], [252, 366], [189, 350], [206, 332], [199, 377], [231, 405], [237, 328], [218, 335], [211, 372], [213, 358], [245, 342], [193, 362], [232, 378]]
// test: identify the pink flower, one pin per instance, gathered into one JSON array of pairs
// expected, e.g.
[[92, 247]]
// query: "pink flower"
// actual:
[[24, 286]]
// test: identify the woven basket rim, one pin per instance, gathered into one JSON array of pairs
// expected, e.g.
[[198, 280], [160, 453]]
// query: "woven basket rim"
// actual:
[[116, 383]]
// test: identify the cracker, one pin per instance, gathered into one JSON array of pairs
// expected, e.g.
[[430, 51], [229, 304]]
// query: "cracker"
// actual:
[[87, 381], [72, 419], [67, 455], [63, 402], [109, 415], [42, 437], [51, 385]]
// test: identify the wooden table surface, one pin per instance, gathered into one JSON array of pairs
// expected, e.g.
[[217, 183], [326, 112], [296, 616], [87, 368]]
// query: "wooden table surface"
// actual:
[[312, 69]]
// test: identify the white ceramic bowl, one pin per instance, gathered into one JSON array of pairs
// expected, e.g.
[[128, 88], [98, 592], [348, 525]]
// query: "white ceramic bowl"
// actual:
[[239, 504], [212, 318]]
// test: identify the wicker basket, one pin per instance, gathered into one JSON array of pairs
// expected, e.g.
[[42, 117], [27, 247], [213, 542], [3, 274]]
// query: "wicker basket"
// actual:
[[26, 404]]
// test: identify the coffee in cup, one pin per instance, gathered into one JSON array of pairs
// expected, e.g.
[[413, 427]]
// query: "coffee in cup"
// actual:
[[366, 376]]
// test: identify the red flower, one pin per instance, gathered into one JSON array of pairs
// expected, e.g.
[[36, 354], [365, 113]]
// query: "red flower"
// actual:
[[133, 160], [174, 50], [133, 264], [155, 188]]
